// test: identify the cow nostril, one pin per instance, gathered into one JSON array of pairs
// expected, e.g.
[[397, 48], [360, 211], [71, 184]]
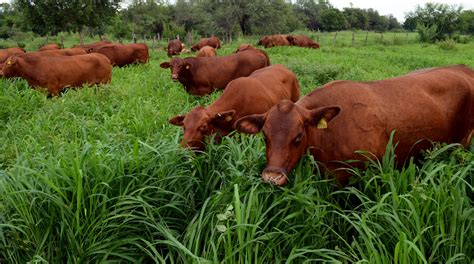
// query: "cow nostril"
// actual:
[[274, 177]]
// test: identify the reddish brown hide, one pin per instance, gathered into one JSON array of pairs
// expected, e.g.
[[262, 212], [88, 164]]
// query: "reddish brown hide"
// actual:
[[302, 41], [51, 46], [421, 107], [214, 42], [243, 96], [56, 73], [201, 76], [55, 53], [89, 46], [244, 47], [175, 47], [121, 55], [274, 40], [5, 53], [207, 51]]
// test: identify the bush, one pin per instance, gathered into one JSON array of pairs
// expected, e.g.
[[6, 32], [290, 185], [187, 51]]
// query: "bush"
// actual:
[[448, 44], [427, 33]]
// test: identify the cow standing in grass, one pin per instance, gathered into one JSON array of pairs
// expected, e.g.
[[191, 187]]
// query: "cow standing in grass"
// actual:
[[201, 76], [342, 117], [57, 73], [175, 47], [254, 94]]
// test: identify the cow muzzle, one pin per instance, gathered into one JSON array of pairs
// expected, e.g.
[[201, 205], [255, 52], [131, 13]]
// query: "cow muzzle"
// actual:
[[275, 176], [174, 76], [194, 145]]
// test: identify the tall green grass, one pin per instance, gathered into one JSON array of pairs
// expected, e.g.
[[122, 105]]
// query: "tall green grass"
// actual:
[[98, 175]]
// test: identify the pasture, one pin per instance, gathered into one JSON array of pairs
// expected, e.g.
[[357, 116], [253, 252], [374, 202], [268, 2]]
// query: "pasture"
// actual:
[[97, 175]]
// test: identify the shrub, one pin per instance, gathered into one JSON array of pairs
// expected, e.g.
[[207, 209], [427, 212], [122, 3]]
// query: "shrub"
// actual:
[[448, 44]]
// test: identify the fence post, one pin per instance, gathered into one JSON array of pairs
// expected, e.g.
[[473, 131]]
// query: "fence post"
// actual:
[[189, 36], [62, 42], [177, 36], [154, 40], [406, 38], [353, 38], [134, 38], [381, 36], [366, 36], [334, 40], [46, 41]]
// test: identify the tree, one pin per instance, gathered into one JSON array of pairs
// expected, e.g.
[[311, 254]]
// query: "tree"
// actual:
[[466, 22], [393, 23], [441, 20], [333, 19], [356, 18], [53, 16], [311, 12]]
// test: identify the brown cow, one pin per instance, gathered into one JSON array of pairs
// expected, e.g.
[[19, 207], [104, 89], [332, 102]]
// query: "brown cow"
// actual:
[[201, 76], [5, 53], [342, 117], [56, 73], [123, 54], [214, 42], [51, 46], [175, 47], [244, 96], [55, 53], [88, 47], [274, 40], [244, 47], [207, 51], [302, 41]]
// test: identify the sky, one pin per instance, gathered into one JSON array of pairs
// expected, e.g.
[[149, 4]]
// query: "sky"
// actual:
[[397, 8]]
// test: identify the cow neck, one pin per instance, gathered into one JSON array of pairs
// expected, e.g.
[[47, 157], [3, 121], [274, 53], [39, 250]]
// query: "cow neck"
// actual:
[[187, 79]]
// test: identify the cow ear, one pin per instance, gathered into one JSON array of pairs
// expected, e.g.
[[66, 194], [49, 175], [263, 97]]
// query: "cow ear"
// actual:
[[251, 124], [177, 120], [165, 65], [226, 116], [320, 117]]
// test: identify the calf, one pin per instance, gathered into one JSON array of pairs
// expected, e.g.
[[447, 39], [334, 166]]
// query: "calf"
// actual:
[[214, 42], [201, 76], [207, 51], [254, 94], [121, 55], [56, 73], [342, 117], [175, 47]]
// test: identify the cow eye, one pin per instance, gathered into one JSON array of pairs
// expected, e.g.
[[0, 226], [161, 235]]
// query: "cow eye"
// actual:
[[298, 139], [203, 127]]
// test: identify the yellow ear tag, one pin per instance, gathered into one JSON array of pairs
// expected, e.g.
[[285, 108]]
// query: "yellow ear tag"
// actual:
[[9, 62], [187, 67], [228, 118], [322, 124]]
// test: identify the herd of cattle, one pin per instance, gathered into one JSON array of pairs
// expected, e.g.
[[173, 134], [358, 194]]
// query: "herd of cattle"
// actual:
[[333, 122], [55, 69]]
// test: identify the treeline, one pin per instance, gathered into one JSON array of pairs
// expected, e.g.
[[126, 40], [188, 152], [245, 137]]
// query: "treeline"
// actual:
[[218, 17]]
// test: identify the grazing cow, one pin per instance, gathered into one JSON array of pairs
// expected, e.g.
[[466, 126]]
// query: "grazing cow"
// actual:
[[5, 53], [214, 42], [56, 73], [55, 53], [201, 76], [302, 41], [244, 96], [335, 121], [52, 46], [175, 47], [89, 46], [207, 51], [274, 40], [121, 55], [244, 47]]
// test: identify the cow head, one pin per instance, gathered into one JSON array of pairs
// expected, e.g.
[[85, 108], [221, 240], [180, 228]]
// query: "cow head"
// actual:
[[179, 67], [245, 47], [10, 67], [292, 39], [200, 123], [286, 128], [195, 47]]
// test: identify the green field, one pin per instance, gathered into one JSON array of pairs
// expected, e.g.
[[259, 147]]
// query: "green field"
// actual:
[[97, 175]]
